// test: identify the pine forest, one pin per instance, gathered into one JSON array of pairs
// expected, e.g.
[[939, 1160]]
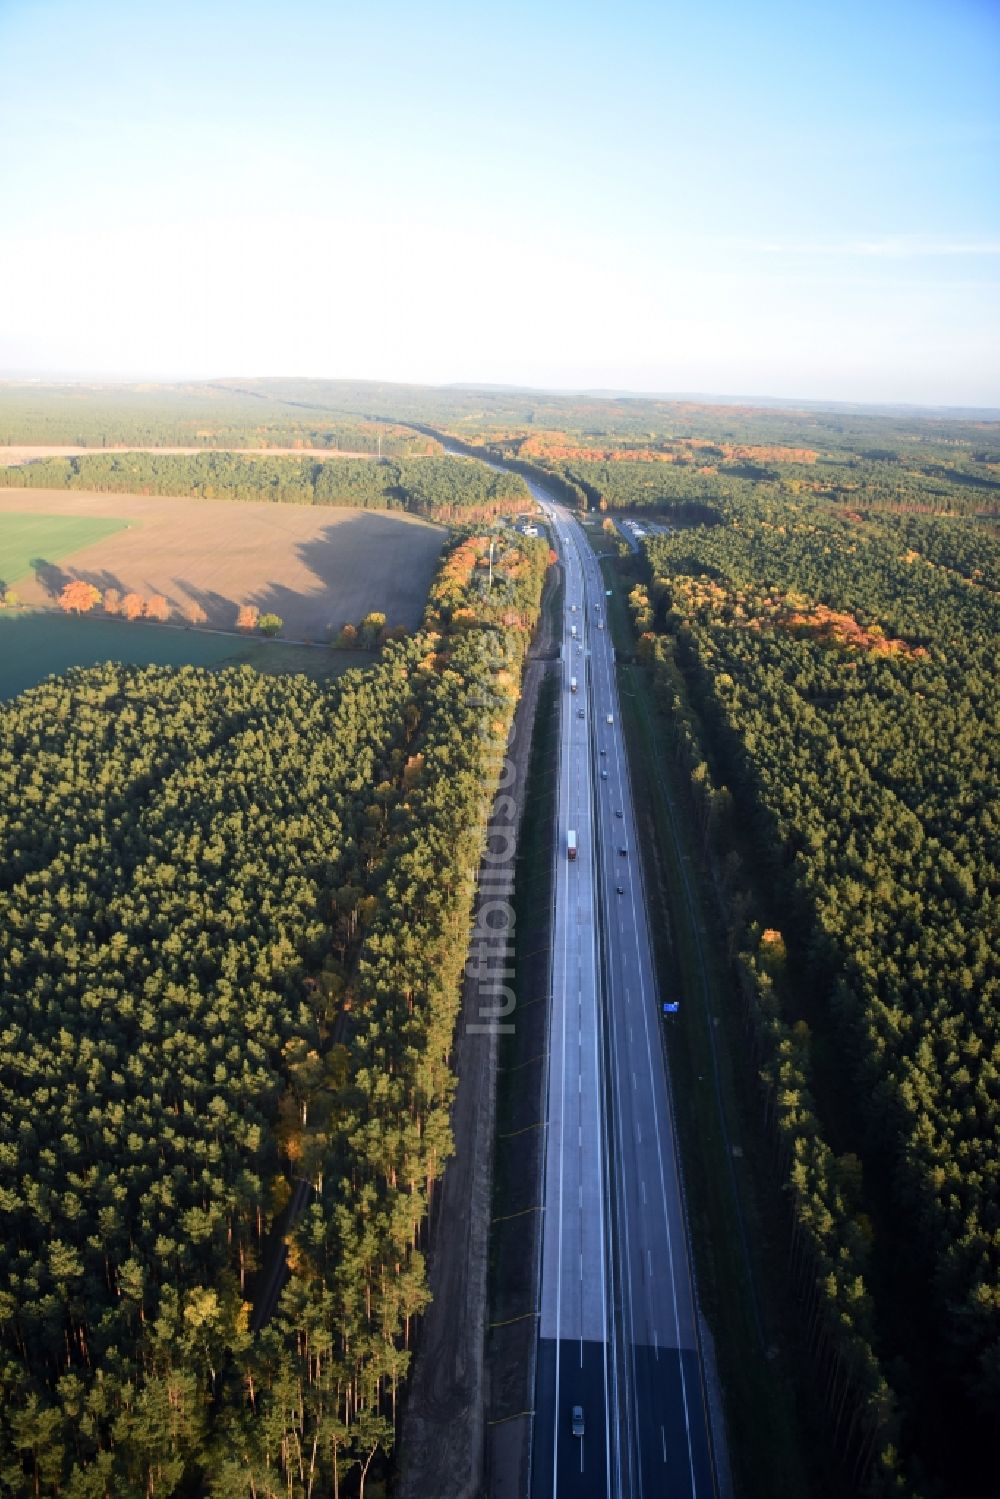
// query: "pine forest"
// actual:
[[232, 951]]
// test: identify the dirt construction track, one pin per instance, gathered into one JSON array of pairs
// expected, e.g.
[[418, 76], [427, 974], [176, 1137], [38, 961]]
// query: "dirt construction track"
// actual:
[[315, 566]]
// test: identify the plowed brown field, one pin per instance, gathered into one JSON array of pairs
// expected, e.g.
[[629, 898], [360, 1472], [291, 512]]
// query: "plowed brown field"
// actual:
[[315, 566]]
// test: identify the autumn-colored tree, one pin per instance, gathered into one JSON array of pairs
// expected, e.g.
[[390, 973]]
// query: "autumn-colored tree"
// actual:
[[133, 605], [195, 614], [348, 636], [112, 601], [78, 597], [158, 608], [247, 616], [372, 628]]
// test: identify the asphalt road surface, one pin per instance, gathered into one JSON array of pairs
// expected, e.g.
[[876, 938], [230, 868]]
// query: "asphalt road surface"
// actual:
[[617, 1325]]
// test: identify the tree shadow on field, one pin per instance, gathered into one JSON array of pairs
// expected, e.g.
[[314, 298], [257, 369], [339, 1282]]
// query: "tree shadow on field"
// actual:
[[48, 576], [219, 611], [105, 581], [369, 561], [102, 580]]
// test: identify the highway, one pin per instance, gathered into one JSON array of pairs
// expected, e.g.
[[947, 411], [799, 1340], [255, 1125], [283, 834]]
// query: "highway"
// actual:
[[617, 1324]]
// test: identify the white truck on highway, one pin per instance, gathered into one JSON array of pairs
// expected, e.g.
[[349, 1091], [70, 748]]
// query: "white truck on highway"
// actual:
[[572, 684], [572, 631], [571, 844]]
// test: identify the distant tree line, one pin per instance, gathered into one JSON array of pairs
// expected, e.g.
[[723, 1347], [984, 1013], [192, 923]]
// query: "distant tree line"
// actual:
[[190, 417], [478, 415], [920, 463], [441, 489], [693, 490]]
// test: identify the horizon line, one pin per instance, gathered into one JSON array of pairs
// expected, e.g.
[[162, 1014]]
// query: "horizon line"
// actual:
[[608, 393]]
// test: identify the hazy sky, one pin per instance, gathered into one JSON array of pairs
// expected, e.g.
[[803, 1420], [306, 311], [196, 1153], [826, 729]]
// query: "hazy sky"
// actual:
[[794, 199]]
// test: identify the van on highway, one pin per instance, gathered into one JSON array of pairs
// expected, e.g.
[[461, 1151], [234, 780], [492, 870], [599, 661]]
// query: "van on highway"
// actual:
[[611, 718], [577, 1419]]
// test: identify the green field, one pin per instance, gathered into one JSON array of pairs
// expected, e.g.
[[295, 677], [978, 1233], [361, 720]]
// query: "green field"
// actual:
[[28, 539], [35, 645]]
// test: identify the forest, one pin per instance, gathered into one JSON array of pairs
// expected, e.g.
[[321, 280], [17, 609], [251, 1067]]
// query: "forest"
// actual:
[[940, 456], [189, 416], [440, 489], [845, 742], [234, 914], [852, 485], [601, 451], [687, 475], [820, 629]]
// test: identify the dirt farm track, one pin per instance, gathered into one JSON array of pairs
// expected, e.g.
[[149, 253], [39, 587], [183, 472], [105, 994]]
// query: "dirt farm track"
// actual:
[[315, 566]]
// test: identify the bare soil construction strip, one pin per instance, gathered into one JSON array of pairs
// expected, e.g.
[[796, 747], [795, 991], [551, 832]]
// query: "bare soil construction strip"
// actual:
[[443, 1434], [448, 1443]]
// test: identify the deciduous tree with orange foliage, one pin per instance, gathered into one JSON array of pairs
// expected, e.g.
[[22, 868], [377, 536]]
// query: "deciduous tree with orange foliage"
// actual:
[[158, 608], [133, 605], [78, 597], [247, 616]]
